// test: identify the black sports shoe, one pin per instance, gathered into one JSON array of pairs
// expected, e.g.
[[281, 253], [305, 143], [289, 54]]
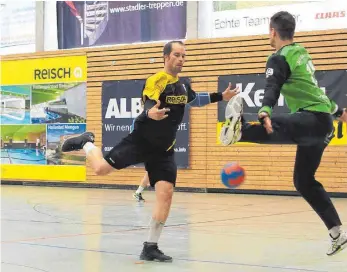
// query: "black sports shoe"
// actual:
[[77, 143], [150, 252]]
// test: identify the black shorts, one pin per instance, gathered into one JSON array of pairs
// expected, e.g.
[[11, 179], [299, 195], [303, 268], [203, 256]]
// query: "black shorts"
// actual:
[[133, 150]]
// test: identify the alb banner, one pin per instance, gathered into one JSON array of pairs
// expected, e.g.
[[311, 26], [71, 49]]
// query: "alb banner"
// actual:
[[121, 104], [95, 23]]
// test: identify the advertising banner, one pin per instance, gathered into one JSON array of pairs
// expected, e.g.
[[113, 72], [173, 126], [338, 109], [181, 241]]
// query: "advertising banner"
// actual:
[[23, 144], [43, 101], [56, 134], [229, 19], [333, 83], [18, 27], [95, 23], [121, 104]]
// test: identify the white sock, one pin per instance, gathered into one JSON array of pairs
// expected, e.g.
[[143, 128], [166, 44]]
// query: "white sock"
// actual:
[[140, 189], [155, 231], [335, 231], [88, 147]]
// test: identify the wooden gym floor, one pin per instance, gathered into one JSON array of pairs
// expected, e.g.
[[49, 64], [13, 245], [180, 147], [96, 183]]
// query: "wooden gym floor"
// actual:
[[76, 229]]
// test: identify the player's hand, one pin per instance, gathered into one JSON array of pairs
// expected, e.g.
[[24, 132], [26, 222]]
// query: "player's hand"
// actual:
[[157, 114], [228, 93], [343, 117], [267, 122]]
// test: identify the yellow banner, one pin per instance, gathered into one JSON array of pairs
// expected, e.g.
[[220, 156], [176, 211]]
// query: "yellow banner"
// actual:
[[343, 139], [44, 70], [43, 172], [335, 141]]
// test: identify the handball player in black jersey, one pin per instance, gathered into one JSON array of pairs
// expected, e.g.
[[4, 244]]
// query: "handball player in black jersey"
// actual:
[[153, 137]]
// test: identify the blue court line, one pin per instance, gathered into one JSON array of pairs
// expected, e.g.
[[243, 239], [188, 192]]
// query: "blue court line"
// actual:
[[22, 265], [181, 259]]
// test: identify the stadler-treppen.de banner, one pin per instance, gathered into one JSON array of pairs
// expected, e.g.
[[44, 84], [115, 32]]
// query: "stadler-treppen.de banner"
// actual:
[[95, 23], [333, 83], [121, 104]]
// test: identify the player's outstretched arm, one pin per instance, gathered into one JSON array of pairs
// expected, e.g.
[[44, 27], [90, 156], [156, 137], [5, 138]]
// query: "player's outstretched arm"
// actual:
[[201, 99]]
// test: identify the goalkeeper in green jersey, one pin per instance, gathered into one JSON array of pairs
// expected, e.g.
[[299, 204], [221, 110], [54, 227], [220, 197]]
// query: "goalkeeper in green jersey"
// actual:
[[290, 72]]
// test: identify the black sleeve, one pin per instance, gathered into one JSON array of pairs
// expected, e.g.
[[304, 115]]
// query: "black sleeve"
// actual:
[[191, 92], [216, 97], [277, 72], [149, 104]]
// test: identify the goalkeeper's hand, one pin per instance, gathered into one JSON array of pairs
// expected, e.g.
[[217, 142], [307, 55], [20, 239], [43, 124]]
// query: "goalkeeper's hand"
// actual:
[[343, 117]]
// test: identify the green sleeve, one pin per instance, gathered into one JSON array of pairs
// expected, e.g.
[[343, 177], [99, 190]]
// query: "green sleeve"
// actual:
[[267, 110], [334, 107]]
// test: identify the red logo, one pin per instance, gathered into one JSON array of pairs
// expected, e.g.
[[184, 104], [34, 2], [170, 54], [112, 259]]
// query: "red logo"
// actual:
[[330, 14]]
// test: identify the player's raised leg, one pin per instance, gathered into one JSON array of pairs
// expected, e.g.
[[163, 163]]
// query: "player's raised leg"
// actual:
[[236, 129], [127, 152], [94, 155]]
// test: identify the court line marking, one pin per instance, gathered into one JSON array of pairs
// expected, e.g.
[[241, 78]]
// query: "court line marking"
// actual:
[[195, 228], [36, 209], [141, 228], [22, 265], [181, 259], [68, 235]]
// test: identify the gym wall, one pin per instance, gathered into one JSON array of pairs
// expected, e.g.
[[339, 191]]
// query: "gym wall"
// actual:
[[268, 167]]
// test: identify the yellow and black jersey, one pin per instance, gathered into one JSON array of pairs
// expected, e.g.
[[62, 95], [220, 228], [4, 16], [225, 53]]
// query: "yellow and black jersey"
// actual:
[[170, 90], [174, 93]]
